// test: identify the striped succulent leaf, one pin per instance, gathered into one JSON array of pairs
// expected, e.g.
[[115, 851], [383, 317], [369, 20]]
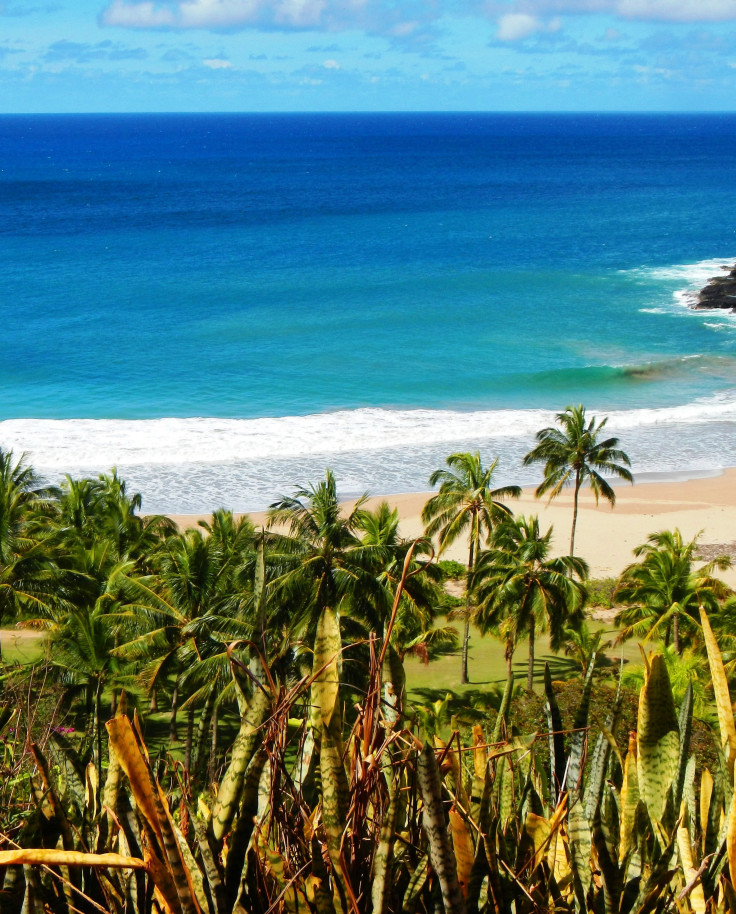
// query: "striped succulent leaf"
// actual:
[[658, 739], [435, 827]]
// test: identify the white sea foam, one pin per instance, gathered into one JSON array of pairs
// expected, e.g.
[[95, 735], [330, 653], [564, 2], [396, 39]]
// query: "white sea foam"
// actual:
[[193, 465], [690, 273]]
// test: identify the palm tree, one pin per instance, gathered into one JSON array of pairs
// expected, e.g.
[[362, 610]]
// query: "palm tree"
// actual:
[[518, 588], [385, 552], [466, 504], [663, 590], [572, 454], [26, 571], [320, 560]]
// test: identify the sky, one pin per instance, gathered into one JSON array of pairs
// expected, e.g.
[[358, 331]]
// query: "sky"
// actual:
[[367, 55]]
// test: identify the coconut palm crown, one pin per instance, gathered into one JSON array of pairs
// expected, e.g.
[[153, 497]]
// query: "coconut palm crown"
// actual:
[[572, 453]]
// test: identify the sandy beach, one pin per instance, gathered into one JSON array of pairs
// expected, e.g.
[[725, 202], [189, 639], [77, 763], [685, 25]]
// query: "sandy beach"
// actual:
[[605, 536]]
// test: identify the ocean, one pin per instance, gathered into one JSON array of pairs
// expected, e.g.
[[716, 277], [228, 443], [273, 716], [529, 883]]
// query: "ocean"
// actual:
[[221, 306]]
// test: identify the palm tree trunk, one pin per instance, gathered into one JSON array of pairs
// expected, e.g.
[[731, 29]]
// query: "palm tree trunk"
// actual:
[[676, 634], [578, 482], [173, 733], [189, 739], [98, 739], [466, 633], [212, 772], [154, 702], [509, 658], [530, 668], [200, 743]]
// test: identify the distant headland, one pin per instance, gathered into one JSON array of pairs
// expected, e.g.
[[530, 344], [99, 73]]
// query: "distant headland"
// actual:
[[719, 292]]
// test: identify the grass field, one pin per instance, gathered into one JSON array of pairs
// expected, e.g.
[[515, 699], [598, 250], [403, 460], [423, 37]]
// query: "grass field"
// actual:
[[487, 667], [21, 646]]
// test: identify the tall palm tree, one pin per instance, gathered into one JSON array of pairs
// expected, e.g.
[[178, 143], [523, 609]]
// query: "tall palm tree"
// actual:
[[519, 589], [663, 591], [466, 504], [320, 560], [573, 453]]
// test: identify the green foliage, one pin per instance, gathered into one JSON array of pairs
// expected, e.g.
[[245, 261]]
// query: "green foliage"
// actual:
[[601, 592], [452, 570]]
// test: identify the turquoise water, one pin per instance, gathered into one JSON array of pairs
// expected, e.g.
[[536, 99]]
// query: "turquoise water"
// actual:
[[222, 305]]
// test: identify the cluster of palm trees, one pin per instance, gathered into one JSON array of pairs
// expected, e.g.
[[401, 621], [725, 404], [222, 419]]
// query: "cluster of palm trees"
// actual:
[[513, 585], [132, 603]]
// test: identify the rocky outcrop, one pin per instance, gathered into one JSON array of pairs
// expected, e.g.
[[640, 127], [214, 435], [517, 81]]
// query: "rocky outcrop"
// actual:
[[720, 292]]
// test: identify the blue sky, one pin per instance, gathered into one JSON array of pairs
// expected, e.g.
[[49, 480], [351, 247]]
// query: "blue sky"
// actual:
[[333, 55]]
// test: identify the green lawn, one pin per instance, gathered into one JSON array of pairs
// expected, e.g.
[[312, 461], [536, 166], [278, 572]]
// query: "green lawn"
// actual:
[[21, 647], [487, 667]]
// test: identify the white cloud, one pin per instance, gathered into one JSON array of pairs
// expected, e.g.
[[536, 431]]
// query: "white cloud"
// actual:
[[204, 14], [517, 26], [331, 65], [402, 20], [217, 63], [137, 15]]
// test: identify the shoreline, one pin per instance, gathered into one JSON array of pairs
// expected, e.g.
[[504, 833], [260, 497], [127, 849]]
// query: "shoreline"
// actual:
[[605, 537]]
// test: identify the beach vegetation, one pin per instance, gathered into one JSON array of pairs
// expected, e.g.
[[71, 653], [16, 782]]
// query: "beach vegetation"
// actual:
[[573, 453], [466, 505], [663, 591], [519, 588], [311, 774]]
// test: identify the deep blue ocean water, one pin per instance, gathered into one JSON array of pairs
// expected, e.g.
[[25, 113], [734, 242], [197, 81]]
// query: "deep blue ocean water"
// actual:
[[222, 305]]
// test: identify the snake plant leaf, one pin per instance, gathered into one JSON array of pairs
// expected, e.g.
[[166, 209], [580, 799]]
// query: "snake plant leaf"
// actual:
[[125, 747], [290, 892], [557, 761], [383, 858], [393, 686], [195, 874], [150, 799], [245, 745], [599, 761], [211, 865], [504, 709], [579, 844], [480, 766], [462, 844], [415, 886], [706, 795], [658, 739], [240, 836], [731, 838], [580, 732], [696, 897], [608, 868], [435, 828], [326, 683], [629, 799], [721, 692], [54, 857], [109, 798], [685, 726], [327, 724]]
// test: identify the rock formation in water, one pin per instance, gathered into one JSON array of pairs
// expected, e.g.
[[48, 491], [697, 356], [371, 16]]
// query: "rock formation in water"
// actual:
[[720, 292]]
